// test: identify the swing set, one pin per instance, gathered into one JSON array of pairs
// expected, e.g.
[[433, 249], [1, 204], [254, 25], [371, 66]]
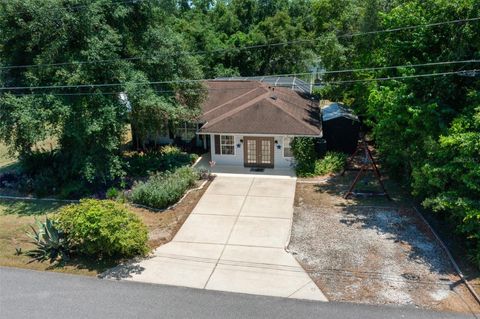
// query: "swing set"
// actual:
[[367, 165]]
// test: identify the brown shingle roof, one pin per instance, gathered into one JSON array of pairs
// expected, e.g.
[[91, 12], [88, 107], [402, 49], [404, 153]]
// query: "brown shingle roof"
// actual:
[[251, 107]]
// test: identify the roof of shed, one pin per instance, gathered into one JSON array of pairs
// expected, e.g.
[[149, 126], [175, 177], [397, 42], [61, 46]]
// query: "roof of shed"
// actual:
[[335, 110], [251, 107]]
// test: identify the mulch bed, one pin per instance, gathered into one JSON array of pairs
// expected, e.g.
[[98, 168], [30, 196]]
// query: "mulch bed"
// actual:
[[163, 226]]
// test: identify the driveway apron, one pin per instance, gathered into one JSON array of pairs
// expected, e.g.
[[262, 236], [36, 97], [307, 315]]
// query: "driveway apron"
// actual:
[[234, 240]]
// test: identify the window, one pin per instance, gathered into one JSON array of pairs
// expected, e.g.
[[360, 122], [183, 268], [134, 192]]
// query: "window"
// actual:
[[287, 149], [227, 145], [266, 152], [251, 151]]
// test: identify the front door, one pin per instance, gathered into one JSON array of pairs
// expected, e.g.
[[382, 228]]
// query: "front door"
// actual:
[[258, 151]]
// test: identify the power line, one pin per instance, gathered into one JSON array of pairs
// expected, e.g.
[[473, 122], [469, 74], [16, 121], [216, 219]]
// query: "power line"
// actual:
[[401, 77], [246, 78], [80, 6], [226, 89], [377, 68], [428, 25], [233, 48]]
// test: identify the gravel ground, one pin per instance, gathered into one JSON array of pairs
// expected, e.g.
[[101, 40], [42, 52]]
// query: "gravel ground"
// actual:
[[375, 255]]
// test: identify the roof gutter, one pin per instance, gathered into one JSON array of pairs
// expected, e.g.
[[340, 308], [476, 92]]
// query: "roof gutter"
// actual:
[[259, 134]]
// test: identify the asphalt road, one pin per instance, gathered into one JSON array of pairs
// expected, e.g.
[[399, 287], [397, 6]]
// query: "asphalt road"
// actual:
[[32, 294]]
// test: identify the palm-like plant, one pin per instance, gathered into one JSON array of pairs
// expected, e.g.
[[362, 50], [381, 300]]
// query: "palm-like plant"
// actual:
[[50, 243]]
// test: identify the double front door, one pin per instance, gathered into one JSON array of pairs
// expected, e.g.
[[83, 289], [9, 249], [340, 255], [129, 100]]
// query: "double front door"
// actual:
[[258, 151]]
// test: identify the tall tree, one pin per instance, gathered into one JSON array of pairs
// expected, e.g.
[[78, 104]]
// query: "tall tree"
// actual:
[[88, 121]]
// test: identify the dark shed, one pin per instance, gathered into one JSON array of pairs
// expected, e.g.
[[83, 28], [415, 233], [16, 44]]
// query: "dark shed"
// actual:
[[340, 128]]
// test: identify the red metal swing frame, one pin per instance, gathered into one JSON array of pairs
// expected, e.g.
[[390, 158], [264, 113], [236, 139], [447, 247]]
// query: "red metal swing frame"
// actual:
[[368, 164]]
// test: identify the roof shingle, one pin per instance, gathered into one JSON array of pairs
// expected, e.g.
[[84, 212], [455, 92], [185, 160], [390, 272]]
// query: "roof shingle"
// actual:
[[251, 107]]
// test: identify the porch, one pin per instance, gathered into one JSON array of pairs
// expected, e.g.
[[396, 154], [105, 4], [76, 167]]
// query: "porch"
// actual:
[[221, 169]]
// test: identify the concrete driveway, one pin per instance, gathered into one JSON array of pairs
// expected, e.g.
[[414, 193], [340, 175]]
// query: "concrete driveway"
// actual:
[[234, 240]]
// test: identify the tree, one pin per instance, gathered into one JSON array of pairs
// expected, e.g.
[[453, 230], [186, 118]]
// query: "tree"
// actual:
[[88, 122]]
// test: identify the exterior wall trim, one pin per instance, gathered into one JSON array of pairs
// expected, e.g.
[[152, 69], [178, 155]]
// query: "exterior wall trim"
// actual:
[[260, 134]]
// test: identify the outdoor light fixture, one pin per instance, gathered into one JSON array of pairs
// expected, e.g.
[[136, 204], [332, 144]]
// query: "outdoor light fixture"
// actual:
[[238, 145], [279, 146]]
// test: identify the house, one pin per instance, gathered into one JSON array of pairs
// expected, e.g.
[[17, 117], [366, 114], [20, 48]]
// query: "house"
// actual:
[[251, 123]]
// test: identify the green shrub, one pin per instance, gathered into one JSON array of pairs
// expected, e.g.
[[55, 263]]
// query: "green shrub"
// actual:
[[303, 149], [332, 162], [47, 176], [448, 177], [170, 150], [112, 193], [168, 158], [164, 189], [74, 189], [103, 228]]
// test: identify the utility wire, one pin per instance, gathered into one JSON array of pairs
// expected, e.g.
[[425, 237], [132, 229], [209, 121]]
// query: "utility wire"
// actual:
[[369, 68], [234, 48], [80, 6], [400, 77], [235, 88], [428, 25], [237, 79]]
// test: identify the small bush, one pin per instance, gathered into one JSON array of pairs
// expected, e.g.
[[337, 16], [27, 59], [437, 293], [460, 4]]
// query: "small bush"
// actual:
[[112, 193], [332, 162], [74, 189], [50, 243], [170, 150], [164, 189], [303, 149], [103, 228]]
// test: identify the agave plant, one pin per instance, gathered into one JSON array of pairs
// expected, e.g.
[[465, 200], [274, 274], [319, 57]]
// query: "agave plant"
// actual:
[[50, 243]]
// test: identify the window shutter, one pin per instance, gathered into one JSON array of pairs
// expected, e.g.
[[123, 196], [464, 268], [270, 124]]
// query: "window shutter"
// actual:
[[217, 144]]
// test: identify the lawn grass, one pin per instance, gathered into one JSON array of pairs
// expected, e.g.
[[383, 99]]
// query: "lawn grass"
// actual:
[[7, 162], [10, 163]]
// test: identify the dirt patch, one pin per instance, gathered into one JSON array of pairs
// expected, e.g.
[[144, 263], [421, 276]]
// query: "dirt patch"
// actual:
[[162, 226], [372, 251]]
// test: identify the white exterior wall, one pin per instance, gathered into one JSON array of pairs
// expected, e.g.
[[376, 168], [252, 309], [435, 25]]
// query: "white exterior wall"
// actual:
[[237, 159]]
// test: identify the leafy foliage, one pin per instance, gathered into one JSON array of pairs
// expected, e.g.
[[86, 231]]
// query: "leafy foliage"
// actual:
[[168, 158], [112, 193], [303, 149], [426, 129], [332, 162], [103, 228], [164, 189], [50, 243], [88, 124], [449, 178], [47, 174]]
